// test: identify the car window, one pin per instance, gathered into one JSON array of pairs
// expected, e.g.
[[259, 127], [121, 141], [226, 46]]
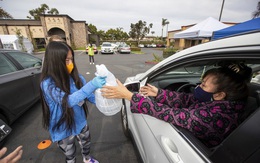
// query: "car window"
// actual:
[[197, 71], [25, 60], [6, 66]]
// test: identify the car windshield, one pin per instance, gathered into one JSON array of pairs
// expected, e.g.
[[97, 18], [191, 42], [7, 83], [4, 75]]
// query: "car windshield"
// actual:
[[106, 45], [194, 71]]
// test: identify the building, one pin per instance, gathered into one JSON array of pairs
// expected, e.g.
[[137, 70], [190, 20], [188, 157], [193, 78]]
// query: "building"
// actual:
[[75, 33]]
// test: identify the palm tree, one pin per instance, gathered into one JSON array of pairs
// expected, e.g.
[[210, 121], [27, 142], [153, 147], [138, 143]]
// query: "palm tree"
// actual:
[[4, 14], [256, 14], [167, 23], [164, 22]]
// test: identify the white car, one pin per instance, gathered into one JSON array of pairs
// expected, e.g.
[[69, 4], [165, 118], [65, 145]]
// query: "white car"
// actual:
[[160, 142], [107, 48], [141, 45]]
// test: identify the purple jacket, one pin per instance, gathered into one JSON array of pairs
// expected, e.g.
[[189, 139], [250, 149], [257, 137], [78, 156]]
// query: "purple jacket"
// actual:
[[210, 121]]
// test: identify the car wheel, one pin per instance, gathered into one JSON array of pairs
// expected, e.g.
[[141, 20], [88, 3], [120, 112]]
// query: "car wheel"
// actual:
[[124, 120]]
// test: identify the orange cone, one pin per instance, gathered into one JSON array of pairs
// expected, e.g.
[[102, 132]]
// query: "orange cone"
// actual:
[[44, 144]]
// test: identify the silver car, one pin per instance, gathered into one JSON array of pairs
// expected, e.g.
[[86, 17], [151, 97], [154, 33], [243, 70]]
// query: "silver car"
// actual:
[[159, 141], [124, 49], [19, 83]]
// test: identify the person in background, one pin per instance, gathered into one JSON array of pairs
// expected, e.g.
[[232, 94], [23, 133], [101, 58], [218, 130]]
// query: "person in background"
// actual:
[[56, 38], [53, 38], [91, 54], [211, 113], [64, 93], [13, 157]]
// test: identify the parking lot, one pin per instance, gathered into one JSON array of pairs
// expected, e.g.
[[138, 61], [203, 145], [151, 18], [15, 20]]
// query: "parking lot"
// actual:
[[109, 145]]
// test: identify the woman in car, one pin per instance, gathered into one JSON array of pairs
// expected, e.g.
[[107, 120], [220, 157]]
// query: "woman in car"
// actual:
[[64, 92], [210, 113]]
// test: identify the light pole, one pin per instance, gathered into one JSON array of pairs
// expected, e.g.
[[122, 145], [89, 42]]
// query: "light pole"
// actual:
[[221, 10]]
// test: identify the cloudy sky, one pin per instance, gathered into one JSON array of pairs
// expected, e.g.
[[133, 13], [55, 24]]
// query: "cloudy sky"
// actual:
[[106, 14]]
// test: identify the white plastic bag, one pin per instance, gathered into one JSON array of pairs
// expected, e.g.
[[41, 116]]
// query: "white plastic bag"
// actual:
[[107, 106]]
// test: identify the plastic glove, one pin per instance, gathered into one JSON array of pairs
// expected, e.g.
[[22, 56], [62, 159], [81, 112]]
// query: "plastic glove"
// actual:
[[99, 81]]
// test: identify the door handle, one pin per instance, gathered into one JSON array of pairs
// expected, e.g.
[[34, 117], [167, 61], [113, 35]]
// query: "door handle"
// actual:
[[171, 149]]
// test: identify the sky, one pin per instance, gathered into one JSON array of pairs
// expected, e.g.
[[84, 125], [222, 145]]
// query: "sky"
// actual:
[[107, 14]]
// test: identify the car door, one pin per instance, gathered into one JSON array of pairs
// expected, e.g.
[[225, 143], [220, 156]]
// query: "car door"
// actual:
[[22, 86]]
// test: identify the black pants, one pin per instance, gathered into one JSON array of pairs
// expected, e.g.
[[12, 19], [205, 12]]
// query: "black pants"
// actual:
[[91, 57]]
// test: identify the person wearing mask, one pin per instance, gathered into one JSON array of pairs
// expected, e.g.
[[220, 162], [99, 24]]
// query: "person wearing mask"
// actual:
[[211, 113], [64, 93]]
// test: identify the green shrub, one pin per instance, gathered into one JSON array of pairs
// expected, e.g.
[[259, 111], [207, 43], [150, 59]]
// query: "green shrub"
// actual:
[[168, 52], [135, 49], [157, 58]]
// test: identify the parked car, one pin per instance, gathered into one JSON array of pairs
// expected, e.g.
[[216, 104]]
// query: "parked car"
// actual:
[[159, 141], [160, 45], [107, 47], [19, 83], [115, 46], [141, 45], [124, 49], [94, 47]]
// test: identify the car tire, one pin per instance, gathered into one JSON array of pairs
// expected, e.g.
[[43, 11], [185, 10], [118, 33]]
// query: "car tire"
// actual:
[[124, 121]]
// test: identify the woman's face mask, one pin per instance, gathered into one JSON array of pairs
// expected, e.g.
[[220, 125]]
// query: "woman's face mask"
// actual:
[[201, 95], [70, 67]]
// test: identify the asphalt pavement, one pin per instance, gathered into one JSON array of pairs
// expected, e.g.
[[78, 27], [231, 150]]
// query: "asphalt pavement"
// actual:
[[108, 143]]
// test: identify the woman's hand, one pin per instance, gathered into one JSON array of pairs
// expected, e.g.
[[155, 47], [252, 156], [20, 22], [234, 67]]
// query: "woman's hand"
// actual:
[[149, 90], [119, 91], [13, 157]]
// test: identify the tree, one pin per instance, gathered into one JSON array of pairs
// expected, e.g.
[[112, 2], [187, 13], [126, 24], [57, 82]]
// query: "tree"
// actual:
[[20, 40], [139, 30], [116, 34], [256, 13], [43, 9], [164, 22], [92, 28], [167, 23], [4, 14]]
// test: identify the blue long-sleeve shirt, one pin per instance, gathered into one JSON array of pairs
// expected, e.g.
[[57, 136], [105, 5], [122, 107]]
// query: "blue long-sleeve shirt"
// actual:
[[53, 97]]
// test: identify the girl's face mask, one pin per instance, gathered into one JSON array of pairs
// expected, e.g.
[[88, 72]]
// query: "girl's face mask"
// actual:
[[201, 95], [70, 67]]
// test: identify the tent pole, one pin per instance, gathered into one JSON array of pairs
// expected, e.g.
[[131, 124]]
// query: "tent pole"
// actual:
[[221, 10]]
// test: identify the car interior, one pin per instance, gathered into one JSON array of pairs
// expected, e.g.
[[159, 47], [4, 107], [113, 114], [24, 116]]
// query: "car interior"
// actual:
[[243, 144]]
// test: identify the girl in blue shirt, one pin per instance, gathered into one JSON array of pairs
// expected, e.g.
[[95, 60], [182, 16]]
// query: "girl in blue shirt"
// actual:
[[63, 95]]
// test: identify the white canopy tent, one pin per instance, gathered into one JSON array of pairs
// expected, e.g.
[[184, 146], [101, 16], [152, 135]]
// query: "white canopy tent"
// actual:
[[201, 30]]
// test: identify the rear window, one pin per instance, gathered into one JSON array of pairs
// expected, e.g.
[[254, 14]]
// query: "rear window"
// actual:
[[26, 60]]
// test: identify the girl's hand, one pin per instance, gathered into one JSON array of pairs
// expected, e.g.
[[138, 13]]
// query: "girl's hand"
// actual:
[[149, 90], [119, 91]]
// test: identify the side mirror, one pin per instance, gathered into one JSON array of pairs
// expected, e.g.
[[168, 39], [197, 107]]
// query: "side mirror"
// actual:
[[133, 87]]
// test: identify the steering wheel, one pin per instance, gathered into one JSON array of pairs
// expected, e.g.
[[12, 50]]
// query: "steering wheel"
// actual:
[[187, 88]]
